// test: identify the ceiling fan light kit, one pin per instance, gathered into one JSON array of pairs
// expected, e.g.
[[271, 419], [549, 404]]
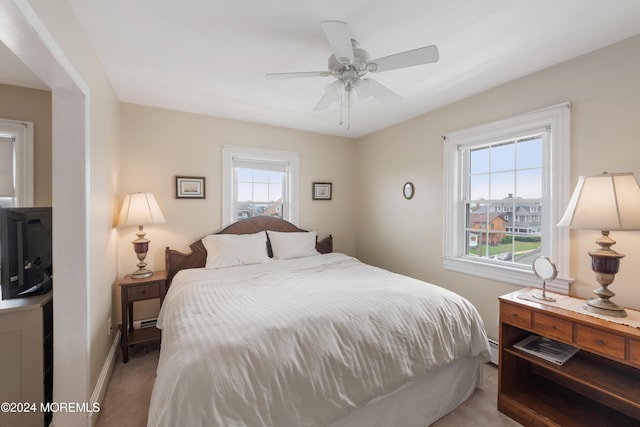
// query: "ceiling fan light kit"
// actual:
[[349, 64]]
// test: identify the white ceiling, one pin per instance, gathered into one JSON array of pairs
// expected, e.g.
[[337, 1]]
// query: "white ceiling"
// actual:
[[211, 56], [13, 72]]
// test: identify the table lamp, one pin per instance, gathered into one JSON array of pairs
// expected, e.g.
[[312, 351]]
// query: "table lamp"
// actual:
[[140, 209], [606, 202]]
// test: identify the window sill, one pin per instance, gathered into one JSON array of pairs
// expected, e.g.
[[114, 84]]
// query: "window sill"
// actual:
[[503, 273]]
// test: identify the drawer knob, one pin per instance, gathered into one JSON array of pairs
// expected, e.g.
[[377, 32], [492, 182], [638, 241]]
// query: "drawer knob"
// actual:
[[600, 342]]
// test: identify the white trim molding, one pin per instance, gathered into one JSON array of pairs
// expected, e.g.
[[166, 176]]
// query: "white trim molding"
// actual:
[[104, 378], [556, 152]]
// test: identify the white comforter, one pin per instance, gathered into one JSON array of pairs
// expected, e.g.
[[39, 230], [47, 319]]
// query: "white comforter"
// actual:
[[300, 342]]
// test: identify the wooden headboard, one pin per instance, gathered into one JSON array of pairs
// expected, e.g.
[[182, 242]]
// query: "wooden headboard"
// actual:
[[176, 261]]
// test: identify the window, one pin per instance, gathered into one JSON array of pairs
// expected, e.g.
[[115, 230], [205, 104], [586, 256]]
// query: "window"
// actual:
[[16, 163], [504, 176], [259, 182], [506, 186], [260, 189]]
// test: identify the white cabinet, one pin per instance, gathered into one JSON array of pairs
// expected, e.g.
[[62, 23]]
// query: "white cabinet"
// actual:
[[26, 358]]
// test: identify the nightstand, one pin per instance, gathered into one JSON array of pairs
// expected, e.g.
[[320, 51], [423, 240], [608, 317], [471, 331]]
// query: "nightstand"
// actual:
[[132, 290], [596, 387]]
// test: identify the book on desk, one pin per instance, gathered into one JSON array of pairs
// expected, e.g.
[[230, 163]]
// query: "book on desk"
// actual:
[[547, 349]]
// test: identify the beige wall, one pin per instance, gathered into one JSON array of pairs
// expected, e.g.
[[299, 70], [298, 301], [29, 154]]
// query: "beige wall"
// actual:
[[406, 236], [160, 144], [32, 105]]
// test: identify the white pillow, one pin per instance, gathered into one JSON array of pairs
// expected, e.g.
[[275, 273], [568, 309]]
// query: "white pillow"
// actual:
[[289, 245], [228, 250]]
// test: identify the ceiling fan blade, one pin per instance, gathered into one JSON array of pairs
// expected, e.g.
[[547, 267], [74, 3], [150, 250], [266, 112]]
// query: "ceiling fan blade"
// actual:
[[339, 38], [410, 58], [382, 93], [297, 75], [331, 94]]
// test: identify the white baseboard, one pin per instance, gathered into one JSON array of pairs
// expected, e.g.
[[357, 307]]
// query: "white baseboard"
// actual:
[[103, 380]]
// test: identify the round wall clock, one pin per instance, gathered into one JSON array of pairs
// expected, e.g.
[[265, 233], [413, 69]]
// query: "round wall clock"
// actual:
[[408, 190]]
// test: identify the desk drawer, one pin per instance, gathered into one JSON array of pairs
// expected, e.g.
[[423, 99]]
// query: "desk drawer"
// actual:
[[553, 327], [600, 342], [143, 292], [515, 316]]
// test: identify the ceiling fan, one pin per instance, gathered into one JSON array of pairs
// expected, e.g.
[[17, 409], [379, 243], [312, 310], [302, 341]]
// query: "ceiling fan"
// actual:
[[349, 64]]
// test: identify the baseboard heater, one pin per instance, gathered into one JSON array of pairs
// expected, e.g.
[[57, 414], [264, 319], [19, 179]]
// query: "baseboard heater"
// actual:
[[493, 345], [144, 323]]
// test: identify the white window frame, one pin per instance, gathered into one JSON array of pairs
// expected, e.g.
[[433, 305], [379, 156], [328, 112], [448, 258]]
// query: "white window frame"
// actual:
[[556, 188], [229, 152], [22, 132]]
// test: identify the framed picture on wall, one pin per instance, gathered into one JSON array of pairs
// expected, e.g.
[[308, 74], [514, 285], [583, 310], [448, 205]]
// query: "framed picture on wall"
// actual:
[[321, 191], [190, 187]]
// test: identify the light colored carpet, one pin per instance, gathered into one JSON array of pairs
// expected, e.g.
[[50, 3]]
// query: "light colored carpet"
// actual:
[[126, 402], [481, 409]]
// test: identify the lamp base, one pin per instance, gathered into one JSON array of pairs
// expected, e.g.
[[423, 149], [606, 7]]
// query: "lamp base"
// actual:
[[141, 273], [604, 307], [141, 246], [605, 263]]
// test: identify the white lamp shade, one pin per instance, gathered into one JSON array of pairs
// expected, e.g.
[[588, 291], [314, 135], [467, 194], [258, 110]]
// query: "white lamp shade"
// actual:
[[140, 209], [610, 201]]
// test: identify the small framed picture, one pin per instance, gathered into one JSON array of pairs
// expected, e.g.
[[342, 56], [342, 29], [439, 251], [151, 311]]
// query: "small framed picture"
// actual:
[[190, 187], [321, 191]]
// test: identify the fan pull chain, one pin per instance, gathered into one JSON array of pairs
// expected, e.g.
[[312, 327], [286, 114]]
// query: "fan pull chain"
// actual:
[[341, 107], [347, 91], [349, 110]]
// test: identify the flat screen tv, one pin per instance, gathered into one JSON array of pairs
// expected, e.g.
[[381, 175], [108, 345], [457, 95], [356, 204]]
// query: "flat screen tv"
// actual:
[[26, 265]]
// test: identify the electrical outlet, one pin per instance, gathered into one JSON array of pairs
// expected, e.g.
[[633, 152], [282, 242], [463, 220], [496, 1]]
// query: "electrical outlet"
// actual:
[[109, 326]]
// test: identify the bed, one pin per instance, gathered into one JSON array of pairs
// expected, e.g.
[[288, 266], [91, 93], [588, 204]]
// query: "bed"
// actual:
[[293, 334]]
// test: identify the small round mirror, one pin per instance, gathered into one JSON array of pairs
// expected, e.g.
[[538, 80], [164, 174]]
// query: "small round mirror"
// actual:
[[407, 190], [545, 269]]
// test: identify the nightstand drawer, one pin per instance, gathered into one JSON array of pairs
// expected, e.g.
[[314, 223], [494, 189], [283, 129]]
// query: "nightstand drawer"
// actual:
[[553, 327], [143, 292], [600, 342], [634, 352], [515, 315]]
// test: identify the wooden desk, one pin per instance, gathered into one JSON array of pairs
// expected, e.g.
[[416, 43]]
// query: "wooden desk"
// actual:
[[598, 386]]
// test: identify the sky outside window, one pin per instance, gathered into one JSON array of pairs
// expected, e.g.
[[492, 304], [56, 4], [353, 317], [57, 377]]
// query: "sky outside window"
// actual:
[[255, 185], [510, 169]]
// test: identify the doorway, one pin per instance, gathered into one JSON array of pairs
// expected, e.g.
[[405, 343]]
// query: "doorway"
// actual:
[[24, 33]]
